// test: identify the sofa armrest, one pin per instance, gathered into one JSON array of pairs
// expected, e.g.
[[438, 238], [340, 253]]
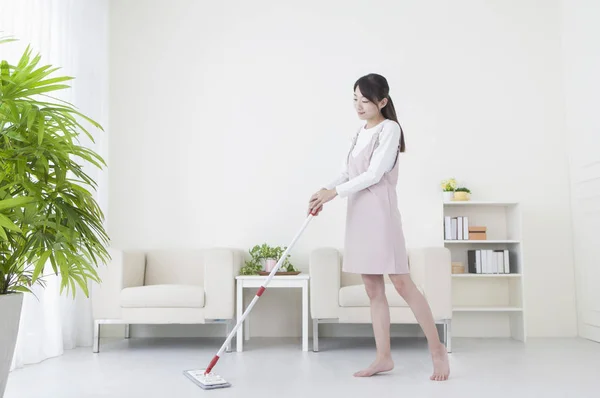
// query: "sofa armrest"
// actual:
[[325, 279], [134, 269], [126, 269], [221, 266], [430, 268]]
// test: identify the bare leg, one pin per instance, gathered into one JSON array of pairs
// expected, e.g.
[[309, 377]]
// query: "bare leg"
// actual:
[[420, 308], [380, 315]]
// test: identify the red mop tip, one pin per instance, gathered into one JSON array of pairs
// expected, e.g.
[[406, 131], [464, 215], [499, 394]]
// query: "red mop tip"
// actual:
[[211, 365]]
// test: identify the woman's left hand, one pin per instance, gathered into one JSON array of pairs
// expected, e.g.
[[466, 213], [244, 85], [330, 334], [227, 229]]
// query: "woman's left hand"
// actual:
[[320, 198]]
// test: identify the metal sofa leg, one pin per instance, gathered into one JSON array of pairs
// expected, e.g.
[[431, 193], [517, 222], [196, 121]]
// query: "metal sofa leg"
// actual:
[[127, 331], [448, 334], [228, 328], [96, 343], [315, 335]]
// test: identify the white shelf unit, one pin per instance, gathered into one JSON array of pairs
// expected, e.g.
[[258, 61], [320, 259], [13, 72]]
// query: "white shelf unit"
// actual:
[[488, 305], [472, 276], [475, 242], [488, 309]]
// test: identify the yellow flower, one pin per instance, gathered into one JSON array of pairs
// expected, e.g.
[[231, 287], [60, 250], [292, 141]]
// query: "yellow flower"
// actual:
[[449, 185]]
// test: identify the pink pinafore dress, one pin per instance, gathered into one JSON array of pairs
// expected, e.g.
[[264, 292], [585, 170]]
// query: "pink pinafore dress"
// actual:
[[374, 240]]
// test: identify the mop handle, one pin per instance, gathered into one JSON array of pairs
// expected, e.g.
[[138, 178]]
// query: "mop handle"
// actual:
[[259, 293]]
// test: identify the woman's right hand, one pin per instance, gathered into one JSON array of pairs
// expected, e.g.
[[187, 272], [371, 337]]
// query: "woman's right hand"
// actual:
[[314, 212], [323, 196]]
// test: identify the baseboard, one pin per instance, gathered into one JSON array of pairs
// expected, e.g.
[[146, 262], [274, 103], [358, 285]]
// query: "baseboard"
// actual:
[[164, 331], [589, 332], [208, 330], [366, 330], [112, 331]]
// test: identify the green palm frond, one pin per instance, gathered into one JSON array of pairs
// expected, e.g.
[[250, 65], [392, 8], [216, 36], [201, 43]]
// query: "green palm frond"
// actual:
[[48, 215]]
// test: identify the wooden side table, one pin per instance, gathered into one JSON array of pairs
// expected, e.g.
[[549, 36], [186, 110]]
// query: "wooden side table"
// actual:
[[278, 281]]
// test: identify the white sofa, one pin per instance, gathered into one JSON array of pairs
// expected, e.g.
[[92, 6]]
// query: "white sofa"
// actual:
[[166, 287], [339, 297]]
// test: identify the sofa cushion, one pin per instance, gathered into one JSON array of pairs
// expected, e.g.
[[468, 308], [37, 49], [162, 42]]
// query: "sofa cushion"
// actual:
[[170, 266], [356, 296], [163, 296]]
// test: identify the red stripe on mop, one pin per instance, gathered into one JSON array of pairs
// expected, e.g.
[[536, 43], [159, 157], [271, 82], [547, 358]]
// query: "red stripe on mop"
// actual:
[[211, 365]]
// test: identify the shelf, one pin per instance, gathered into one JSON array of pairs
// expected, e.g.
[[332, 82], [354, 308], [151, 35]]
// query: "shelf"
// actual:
[[479, 203], [486, 275], [482, 242], [487, 309], [487, 304]]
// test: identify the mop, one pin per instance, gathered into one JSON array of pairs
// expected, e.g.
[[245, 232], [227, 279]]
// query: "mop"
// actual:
[[204, 377]]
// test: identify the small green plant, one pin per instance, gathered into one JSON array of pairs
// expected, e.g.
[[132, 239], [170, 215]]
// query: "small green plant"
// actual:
[[449, 185], [252, 267], [463, 189], [264, 252]]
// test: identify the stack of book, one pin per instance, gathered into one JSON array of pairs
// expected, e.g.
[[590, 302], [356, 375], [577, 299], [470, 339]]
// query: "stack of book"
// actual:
[[456, 228], [488, 261]]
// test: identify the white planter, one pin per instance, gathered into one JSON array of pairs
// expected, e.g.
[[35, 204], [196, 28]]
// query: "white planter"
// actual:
[[10, 308], [270, 263], [448, 196]]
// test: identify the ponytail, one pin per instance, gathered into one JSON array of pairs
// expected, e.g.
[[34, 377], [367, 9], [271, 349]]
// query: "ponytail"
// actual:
[[389, 112]]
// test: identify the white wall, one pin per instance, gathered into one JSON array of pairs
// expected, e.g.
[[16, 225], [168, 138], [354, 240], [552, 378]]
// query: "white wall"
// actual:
[[226, 116], [581, 46]]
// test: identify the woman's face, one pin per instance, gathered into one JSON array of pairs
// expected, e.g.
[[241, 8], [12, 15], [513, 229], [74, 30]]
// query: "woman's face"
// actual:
[[365, 109]]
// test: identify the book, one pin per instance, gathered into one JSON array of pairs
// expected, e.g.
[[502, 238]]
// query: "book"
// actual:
[[456, 228], [486, 261], [454, 223], [472, 262], [447, 228]]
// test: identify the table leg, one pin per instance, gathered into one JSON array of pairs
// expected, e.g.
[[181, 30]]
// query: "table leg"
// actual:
[[240, 309], [305, 316], [228, 328], [247, 328]]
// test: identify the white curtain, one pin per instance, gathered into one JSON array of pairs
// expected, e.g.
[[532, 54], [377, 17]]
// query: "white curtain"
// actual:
[[72, 35]]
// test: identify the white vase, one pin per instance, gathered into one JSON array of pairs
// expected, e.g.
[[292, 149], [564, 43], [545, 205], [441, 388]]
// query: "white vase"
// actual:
[[270, 263], [448, 196], [10, 308]]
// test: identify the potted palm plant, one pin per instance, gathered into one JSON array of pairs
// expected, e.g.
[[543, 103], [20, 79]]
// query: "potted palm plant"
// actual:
[[50, 222]]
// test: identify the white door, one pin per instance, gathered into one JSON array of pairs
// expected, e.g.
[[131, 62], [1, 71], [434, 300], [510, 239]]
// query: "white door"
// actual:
[[581, 55], [586, 234], [585, 206]]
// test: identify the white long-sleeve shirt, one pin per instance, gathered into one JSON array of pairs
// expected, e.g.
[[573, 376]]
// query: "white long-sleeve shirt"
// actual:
[[382, 160]]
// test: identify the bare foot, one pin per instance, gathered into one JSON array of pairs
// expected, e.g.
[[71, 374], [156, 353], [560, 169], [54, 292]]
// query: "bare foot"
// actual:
[[383, 365], [441, 366]]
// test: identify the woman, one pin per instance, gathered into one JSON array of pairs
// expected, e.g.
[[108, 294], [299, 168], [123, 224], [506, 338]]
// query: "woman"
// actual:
[[374, 242]]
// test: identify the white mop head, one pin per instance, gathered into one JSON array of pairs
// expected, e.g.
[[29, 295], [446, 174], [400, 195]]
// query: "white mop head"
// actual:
[[208, 381]]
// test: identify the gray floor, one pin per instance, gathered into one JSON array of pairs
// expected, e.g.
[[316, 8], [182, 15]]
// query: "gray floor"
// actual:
[[277, 368]]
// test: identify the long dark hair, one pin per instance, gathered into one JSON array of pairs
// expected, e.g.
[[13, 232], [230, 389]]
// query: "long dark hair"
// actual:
[[375, 87]]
